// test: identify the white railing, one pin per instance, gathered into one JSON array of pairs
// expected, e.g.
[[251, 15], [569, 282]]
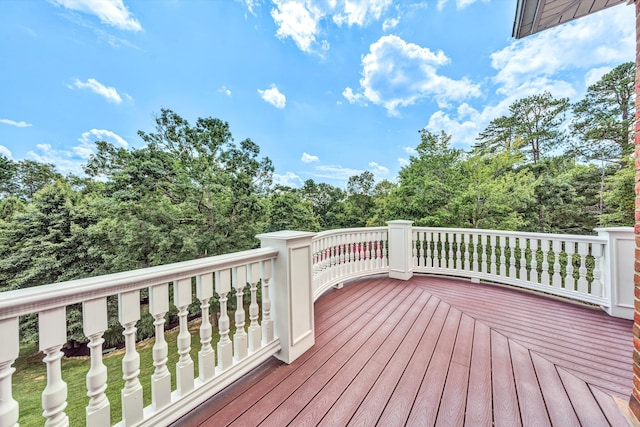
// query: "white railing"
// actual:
[[570, 266], [344, 254], [290, 272], [224, 277]]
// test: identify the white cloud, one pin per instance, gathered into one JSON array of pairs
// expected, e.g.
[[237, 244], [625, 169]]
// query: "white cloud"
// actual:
[[335, 172], [224, 90], [302, 20], [460, 4], [390, 23], [308, 158], [273, 96], [397, 74], [250, 5], [20, 124], [110, 12], [378, 171], [6, 152], [63, 160], [595, 74], [359, 12], [108, 92], [410, 150], [289, 179], [403, 162], [603, 38], [354, 98], [87, 141], [298, 21]]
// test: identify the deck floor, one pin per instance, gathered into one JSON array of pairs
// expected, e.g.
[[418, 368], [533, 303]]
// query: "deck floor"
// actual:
[[439, 351]]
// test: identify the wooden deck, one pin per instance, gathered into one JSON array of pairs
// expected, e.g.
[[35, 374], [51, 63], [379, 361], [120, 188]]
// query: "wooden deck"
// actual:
[[439, 351]]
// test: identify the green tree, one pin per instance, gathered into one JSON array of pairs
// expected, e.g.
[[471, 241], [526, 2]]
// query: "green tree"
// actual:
[[289, 211], [428, 184], [602, 121]]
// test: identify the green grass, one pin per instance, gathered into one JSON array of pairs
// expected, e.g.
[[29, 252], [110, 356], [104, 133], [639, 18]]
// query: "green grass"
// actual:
[[29, 380]]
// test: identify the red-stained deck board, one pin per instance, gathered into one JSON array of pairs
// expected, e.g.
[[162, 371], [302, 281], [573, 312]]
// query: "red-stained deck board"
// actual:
[[479, 396], [438, 351], [374, 356], [333, 378], [401, 401], [370, 397], [310, 374]]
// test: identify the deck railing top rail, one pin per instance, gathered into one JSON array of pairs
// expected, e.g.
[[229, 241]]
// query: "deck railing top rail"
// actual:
[[22, 301]]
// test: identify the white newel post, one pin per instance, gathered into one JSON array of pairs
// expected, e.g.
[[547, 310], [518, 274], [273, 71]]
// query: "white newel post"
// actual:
[[290, 292], [617, 270], [400, 250]]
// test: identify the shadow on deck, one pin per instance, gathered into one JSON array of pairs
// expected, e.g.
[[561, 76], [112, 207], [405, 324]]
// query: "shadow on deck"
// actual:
[[439, 351]]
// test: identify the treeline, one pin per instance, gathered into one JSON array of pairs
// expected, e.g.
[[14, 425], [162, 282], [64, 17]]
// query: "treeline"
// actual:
[[191, 191]]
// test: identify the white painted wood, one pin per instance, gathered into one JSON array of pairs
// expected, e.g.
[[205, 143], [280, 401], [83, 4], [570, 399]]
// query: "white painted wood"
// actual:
[[225, 346], [512, 256], [240, 344], [533, 272], [255, 332], [52, 333], [184, 367], [161, 377], [569, 280], [206, 355], [9, 351], [544, 274], [583, 250], [131, 394], [523, 276], [400, 250], [266, 267], [556, 280], [291, 292], [617, 271], [94, 316]]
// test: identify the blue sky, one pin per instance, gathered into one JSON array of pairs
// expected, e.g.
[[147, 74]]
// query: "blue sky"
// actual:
[[326, 88]]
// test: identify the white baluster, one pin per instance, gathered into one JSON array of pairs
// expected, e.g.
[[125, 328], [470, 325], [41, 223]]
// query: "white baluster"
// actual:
[[544, 277], [9, 351], [379, 260], [206, 355], [474, 240], [427, 249], [255, 335], [184, 368], [512, 257], [493, 247], [383, 250], [459, 238], [240, 345], [556, 279], [161, 378], [467, 259], [352, 253], [450, 253], [502, 244], [569, 280], [533, 244], [420, 241], [267, 322], [225, 347], [52, 333], [583, 250], [368, 252], [522, 245], [131, 394], [596, 285], [484, 242], [94, 321], [442, 261]]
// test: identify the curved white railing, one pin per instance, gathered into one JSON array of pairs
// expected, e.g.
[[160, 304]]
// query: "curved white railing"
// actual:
[[570, 266], [224, 276], [347, 253]]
